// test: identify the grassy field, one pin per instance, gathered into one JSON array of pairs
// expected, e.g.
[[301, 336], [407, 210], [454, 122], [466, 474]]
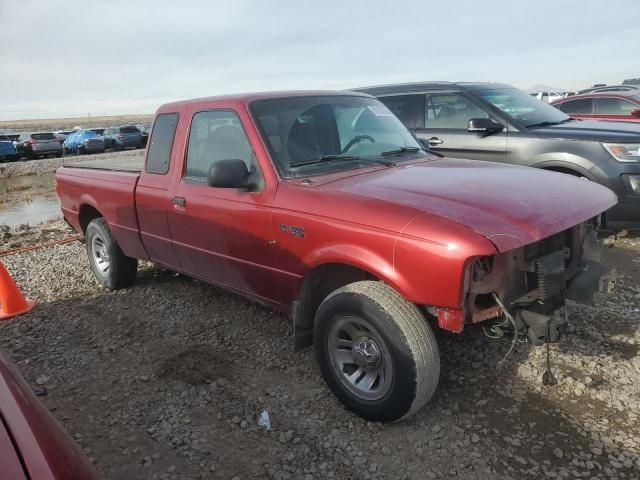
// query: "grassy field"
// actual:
[[54, 124]]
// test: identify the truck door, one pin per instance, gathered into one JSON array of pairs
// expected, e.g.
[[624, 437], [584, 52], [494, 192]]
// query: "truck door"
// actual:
[[153, 200], [446, 120], [223, 235]]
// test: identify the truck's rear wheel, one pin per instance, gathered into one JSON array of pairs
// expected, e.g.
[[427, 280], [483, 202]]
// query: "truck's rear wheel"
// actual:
[[376, 351], [112, 268]]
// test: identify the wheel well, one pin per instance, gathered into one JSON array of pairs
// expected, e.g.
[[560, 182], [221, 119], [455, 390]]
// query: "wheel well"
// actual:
[[568, 171], [317, 284], [87, 213]]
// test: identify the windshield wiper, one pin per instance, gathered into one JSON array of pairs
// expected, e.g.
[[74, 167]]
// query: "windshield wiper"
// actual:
[[323, 158], [400, 150], [548, 124]]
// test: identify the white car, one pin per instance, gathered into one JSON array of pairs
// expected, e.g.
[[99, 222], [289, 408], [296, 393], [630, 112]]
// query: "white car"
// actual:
[[549, 96]]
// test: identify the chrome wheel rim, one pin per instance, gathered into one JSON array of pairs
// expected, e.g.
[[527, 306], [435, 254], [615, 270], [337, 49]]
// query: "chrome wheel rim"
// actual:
[[100, 255], [360, 358]]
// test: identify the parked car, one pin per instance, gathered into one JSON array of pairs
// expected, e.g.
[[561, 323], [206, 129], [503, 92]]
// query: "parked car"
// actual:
[[499, 123], [323, 205], [84, 141], [61, 135], [33, 145], [126, 136], [548, 97], [33, 445], [613, 107], [8, 151], [144, 132], [611, 88]]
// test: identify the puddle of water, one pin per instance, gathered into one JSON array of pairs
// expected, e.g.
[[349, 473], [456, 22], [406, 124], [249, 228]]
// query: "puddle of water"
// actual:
[[28, 199]]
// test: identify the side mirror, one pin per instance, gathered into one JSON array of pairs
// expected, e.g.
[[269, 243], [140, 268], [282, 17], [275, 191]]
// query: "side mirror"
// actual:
[[635, 112], [484, 125], [231, 173]]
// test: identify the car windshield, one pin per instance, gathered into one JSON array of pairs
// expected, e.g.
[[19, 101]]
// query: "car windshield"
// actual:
[[523, 107], [322, 134], [129, 129]]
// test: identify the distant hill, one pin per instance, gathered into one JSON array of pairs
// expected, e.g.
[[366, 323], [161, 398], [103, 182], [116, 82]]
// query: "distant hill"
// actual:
[[68, 123]]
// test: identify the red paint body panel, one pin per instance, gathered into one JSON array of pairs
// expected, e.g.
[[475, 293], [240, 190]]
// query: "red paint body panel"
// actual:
[[602, 116], [47, 451], [112, 194], [416, 225], [10, 466]]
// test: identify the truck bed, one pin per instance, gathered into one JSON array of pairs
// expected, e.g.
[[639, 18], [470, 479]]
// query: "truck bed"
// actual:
[[132, 163]]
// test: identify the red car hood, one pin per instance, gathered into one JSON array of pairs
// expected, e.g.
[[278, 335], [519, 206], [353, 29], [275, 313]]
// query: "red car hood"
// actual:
[[511, 206]]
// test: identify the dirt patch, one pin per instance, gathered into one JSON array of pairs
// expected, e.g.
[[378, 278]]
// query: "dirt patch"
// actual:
[[196, 365]]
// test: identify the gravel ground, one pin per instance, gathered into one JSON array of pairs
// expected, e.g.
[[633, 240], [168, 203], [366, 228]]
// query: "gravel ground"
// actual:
[[45, 165], [165, 380]]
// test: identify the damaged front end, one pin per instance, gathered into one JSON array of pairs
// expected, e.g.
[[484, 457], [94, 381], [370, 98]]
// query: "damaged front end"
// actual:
[[531, 284]]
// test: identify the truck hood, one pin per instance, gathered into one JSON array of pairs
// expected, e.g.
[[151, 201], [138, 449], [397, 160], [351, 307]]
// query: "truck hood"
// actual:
[[511, 206], [592, 130]]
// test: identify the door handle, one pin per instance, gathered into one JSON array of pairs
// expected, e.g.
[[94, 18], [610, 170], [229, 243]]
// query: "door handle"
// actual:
[[434, 141], [179, 201]]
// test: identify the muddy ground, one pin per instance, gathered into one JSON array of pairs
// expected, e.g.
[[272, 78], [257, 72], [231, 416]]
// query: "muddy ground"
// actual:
[[165, 380]]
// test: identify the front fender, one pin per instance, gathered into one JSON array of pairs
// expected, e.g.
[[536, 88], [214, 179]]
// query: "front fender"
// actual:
[[376, 264]]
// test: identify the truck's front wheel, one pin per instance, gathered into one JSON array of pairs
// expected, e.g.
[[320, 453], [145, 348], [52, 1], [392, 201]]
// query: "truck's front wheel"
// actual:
[[376, 351], [112, 268]]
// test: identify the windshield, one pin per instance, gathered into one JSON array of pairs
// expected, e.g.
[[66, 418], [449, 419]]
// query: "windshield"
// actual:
[[129, 129], [523, 107], [317, 135]]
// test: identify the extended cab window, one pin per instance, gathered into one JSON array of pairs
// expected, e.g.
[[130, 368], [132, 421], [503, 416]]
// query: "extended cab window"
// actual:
[[159, 149], [580, 105], [215, 135], [451, 111]]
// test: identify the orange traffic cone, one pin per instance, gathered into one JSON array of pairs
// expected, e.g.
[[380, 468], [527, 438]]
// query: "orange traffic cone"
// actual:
[[12, 302]]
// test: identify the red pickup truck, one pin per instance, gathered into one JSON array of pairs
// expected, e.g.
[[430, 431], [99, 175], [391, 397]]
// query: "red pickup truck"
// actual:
[[323, 205]]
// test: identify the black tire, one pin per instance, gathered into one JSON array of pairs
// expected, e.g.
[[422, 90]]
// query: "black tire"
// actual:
[[407, 339], [59, 155], [121, 270]]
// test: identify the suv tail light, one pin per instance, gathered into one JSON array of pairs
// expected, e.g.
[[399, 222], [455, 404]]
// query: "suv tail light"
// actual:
[[31, 142]]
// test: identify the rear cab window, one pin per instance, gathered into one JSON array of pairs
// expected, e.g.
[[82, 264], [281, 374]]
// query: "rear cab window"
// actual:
[[43, 136], [129, 129], [161, 143]]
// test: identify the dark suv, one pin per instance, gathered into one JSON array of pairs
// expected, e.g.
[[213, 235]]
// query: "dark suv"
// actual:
[[126, 136], [499, 123]]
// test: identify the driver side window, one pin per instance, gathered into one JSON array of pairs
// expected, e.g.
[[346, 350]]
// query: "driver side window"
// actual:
[[216, 135], [451, 111]]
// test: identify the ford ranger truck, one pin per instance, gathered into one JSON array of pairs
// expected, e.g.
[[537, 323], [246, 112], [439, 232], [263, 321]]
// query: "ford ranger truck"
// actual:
[[324, 206]]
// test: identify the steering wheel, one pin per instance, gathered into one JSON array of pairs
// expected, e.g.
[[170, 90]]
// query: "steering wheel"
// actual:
[[357, 139]]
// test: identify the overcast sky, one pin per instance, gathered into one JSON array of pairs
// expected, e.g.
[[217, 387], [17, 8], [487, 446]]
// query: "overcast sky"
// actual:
[[68, 58]]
